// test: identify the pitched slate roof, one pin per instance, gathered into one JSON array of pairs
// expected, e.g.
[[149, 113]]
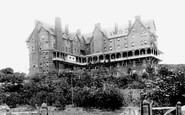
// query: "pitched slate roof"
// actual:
[[110, 32], [87, 37], [48, 27]]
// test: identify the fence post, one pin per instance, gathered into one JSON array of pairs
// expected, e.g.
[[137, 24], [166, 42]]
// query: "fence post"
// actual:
[[178, 108], [44, 109], [145, 108]]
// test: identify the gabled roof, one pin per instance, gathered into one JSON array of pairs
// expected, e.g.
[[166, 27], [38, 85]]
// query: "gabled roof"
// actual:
[[110, 32], [46, 26], [72, 36], [87, 37]]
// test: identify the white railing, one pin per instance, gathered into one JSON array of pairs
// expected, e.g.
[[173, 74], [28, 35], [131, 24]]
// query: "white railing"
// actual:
[[111, 60]]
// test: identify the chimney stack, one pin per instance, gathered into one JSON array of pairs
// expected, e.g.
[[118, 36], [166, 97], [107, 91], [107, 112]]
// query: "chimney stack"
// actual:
[[98, 25], [129, 24], [36, 22], [58, 34], [138, 17], [116, 28], [78, 31], [67, 29], [58, 26]]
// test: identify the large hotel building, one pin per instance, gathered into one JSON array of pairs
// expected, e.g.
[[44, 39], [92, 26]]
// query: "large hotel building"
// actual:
[[133, 46]]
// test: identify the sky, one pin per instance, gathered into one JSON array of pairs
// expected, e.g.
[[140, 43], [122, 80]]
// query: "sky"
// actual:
[[17, 19]]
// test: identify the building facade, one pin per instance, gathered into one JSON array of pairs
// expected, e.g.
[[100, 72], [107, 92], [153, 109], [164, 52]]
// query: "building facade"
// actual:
[[132, 46]]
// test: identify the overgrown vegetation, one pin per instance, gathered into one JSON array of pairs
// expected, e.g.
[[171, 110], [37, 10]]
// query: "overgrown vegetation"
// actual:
[[101, 89]]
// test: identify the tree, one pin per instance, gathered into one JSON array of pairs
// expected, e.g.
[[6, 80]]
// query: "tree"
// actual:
[[167, 87]]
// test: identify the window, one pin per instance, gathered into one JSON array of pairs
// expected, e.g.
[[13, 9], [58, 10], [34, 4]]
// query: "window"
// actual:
[[132, 44], [145, 42], [32, 40], [32, 48], [66, 49], [118, 46], [125, 37], [105, 48], [42, 36], [141, 42], [126, 45], [111, 48], [132, 36], [118, 39], [145, 34], [133, 30], [110, 41], [141, 34]]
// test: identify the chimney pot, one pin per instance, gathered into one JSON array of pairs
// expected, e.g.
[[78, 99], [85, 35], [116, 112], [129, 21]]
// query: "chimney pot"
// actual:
[[116, 28], [98, 25], [138, 17], [78, 31], [58, 26], [129, 24], [36, 22]]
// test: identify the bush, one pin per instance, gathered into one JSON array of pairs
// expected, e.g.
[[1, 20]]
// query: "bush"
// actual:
[[108, 98]]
